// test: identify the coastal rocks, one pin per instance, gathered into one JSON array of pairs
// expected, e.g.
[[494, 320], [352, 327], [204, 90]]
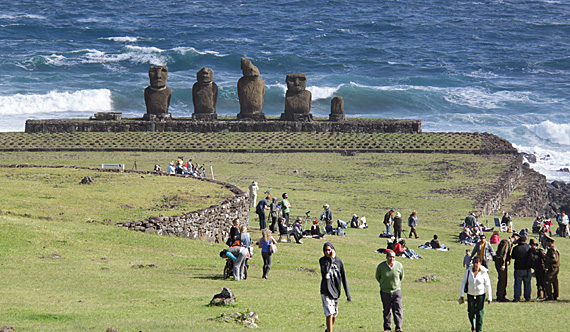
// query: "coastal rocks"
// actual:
[[157, 95], [225, 297], [204, 95], [251, 93], [337, 109], [297, 99], [558, 198]]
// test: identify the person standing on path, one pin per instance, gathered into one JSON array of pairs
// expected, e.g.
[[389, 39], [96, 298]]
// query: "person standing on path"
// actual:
[[412, 223], [476, 283], [502, 262], [389, 275], [332, 273], [523, 275], [551, 264]]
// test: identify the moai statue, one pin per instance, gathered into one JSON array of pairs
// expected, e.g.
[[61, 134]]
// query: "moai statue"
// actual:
[[337, 109], [157, 95], [251, 92], [297, 99], [205, 95]]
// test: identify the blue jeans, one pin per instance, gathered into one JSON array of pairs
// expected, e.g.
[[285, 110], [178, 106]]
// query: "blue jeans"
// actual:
[[388, 228], [522, 277]]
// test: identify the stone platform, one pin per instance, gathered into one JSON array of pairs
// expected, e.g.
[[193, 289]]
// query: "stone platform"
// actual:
[[189, 125]]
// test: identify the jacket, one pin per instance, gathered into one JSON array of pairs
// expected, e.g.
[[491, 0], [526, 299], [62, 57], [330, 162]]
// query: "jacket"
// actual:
[[477, 285], [489, 251], [332, 272]]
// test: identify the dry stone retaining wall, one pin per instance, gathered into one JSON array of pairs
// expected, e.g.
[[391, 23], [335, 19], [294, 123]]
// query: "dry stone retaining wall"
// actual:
[[210, 224]]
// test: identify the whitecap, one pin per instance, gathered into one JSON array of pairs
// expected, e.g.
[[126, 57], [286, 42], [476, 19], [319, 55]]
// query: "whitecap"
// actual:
[[548, 162], [95, 100], [558, 133], [323, 92], [125, 39]]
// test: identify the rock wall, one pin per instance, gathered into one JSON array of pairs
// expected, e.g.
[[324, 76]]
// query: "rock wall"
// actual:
[[535, 201], [490, 201], [209, 224], [189, 125]]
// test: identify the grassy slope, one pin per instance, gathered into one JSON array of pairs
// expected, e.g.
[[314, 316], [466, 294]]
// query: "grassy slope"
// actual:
[[96, 283]]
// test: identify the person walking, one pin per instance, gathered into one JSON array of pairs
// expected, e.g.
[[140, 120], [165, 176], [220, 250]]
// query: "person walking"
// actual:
[[398, 225], [389, 275], [333, 275], [502, 262], [551, 264], [477, 284], [484, 250], [523, 275], [264, 243], [412, 223]]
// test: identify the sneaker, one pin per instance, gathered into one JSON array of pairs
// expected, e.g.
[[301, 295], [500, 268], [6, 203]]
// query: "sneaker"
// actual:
[[300, 242]]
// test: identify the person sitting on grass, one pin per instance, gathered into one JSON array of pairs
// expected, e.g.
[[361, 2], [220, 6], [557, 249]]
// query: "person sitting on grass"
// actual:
[[316, 230], [401, 250], [434, 243], [329, 229], [354, 222]]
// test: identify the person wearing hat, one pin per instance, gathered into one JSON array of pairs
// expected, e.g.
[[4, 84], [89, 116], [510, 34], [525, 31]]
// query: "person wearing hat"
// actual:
[[537, 264], [502, 261], [523, 275], [398, 225], [298, 230], [332, 272], [551, 264], [326, 216]]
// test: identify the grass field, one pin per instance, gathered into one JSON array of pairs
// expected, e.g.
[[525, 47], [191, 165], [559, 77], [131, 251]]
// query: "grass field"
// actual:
[[108, 276]]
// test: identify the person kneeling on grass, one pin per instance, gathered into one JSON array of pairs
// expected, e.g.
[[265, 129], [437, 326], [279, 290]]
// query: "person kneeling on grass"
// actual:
[[332, 272]]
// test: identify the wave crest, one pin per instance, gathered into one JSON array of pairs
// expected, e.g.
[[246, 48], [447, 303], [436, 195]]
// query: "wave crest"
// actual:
[[57, 102], [552, 132]]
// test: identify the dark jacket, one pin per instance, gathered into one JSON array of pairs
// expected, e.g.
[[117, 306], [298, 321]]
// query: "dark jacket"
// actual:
[[332, 272], [397, 222], [521, 254]]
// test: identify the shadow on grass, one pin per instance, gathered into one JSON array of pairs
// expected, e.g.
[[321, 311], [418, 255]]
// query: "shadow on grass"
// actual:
[[210, 277]]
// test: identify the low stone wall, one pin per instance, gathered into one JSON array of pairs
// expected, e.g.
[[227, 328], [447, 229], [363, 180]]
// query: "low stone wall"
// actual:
[[535, 201], [209, 224], [490, 201], [188, 125]]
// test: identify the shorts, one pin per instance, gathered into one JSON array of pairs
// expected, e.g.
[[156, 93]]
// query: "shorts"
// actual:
[[330, 305]]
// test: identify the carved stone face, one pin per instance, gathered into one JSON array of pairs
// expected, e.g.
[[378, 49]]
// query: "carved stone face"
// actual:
[[158, 76], [205, 75], [296, 82]]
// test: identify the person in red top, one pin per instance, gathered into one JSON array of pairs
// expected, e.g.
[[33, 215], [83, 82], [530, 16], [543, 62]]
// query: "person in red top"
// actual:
[[400, 247]]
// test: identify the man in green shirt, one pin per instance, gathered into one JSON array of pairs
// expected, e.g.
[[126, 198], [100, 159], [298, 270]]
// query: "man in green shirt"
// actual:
[[285, 206], [389, 275]]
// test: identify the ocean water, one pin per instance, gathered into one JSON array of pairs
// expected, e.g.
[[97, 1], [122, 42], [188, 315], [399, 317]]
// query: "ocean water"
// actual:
[[498, 66]]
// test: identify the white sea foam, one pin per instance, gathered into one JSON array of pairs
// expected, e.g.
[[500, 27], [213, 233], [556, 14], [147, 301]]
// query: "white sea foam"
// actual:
[[317, 92], [184, 50], [57, 102], [552, 132], [549, 162], [125, 39], [135, 54]]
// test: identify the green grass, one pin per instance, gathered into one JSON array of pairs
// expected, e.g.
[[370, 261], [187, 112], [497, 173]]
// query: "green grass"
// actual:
[[97, 283]]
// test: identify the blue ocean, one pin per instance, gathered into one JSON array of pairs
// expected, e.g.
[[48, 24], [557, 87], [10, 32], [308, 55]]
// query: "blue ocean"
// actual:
[[498, 66]]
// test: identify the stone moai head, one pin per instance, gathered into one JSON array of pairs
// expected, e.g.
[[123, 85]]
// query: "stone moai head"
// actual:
[[296, 82], [158, 76], [205, 75], [248, 68], [337, 105]]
